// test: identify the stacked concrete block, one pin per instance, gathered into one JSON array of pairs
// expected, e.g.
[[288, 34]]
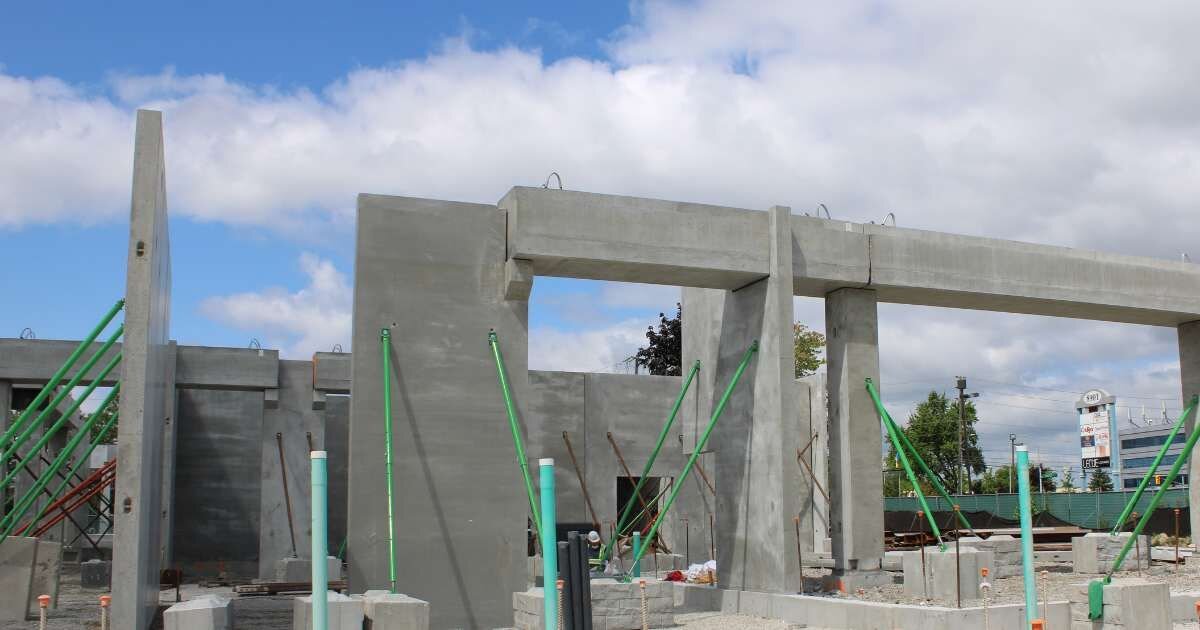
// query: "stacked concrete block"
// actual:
[[95, 574], [1095, 552], [943, 569], [208, 612], [300, 569], [1129, 604], [345, 613], [17, 557], [615, 606], [389, 611], [1006, 553], [47, 571]]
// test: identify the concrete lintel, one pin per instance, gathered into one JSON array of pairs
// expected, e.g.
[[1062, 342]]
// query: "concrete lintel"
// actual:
[[204, 367], [518, 279], [331, 372]]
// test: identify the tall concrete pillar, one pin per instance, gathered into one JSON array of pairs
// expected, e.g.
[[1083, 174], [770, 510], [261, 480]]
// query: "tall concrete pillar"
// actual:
[[6, 405], [754, 444], [856, 487], [1189, 377]]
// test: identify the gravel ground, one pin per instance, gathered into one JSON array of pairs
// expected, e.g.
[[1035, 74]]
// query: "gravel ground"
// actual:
[[719, 621]]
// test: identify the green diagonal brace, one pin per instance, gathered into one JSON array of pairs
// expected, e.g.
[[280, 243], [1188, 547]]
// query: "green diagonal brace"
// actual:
[[912, 477], [1153, 467], [78, 462], [516, 430]]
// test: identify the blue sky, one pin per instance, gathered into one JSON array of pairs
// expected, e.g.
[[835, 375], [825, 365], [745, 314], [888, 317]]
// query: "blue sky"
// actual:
[[277, 114]]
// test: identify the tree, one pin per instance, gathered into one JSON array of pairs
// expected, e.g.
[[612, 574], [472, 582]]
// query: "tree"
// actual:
[[809, 344], [996, 480], [1100, 481], [663, 355], [109, 436], [933, 430], [1068, 480]]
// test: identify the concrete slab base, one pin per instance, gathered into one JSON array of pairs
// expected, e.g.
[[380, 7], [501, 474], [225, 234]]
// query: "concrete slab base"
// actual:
[[95, 574], [848, 581], [17, 557], [345, 613], [1129, 604], [615, 606], [300, 569], [1006, 553], [387, 611], [1095, 552], [208, 612], [47, 571]]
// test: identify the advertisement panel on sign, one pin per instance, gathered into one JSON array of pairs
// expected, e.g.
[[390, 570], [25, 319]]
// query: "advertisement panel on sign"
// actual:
[[1095, 439]]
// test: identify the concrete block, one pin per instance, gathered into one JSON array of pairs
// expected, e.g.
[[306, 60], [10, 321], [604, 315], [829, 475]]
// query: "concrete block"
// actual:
[[345, 613], [300, 569], [1183, 606], [948, 568], [1095, 552], [848, 581], [916, 572], [1135, 603], [17, 557], [95, 574], [208, 612], [387, 611], [47, 571], [1006, 552]]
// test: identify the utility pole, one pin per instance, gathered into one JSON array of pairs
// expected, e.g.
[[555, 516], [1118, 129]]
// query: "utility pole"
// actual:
[[1012, 466], [961, 386]]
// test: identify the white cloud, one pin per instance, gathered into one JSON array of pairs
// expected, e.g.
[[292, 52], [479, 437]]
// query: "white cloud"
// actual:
[[313, 319], [595, 350]]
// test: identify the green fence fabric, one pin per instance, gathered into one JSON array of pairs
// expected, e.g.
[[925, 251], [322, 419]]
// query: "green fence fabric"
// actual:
[[1089, 510]]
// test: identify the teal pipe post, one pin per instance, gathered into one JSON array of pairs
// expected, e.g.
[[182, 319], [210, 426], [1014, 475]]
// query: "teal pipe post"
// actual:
[[549, 543], [1153, 467], [63, 419], [1026, 534], [636, 569], [62, 486], [516, 431], [662, 436], [62, 371], [1162, 491], [691, 462], [320, 532], [28, 430], [21, 507], [385, 341]]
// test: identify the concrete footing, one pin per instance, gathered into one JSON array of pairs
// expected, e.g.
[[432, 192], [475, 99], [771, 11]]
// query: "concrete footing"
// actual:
[[388, 611], [1006, 553], [209, 612], [300, 569], [17, 557], [95, 574], [1129, 604], [1095, 552], [615, 606], [345, 613], [849, 581], [942, 570]]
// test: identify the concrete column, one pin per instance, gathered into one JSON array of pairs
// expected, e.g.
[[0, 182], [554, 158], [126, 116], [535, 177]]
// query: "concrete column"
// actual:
[[757, 481], [818, 458], [1189, 377], [6, 405], [856, 487]]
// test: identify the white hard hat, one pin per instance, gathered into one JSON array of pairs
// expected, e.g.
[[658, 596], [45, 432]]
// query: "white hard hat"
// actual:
[[593, 536]]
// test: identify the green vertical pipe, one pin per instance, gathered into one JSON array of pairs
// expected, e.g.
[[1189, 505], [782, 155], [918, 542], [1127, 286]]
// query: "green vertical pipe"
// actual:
[[320, 531], [62, 486], [22, 507], [516, 431], [891, 425], [62, 371], [549, 543], [1026, 511], [385, 341], [691, 462], [1162, 491], [1153, 468], [636, 569], [34, 450], [61, 396], [662, 436]]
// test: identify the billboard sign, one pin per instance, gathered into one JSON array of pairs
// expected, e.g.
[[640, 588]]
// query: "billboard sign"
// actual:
[[1095, 430]]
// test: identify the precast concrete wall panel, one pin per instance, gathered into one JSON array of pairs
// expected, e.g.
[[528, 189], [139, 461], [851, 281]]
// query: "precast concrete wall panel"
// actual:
[[555, 404], [337, 435]]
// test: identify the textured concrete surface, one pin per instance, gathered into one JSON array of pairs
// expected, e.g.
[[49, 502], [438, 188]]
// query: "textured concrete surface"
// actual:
[[17, 557], [1006, 553], [1129, 604], [6, 406], [294, 421], [816, 514], [852, 352], [337, 436], [345, 612], [222, 431], [300, 570], [166, 480], [208, 612], [461, 505], [145, 394], [615, 606], [95, 574], [1189, 376], [387, 611], [1095, 552], [47, 572]]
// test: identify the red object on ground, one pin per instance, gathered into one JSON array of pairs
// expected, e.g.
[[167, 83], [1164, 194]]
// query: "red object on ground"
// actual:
[[675, 576]]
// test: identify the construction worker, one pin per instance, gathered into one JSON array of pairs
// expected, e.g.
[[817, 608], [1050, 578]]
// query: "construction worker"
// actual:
[[595, 546]]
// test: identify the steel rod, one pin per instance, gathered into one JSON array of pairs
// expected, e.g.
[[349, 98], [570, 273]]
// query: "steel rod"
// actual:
[[1137, 494], [287, 497], [587, 498], [511, 410], [108, 424]]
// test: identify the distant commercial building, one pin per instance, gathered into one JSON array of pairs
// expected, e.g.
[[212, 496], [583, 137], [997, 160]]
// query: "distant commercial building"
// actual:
[[1124, 448], [1139, 445]]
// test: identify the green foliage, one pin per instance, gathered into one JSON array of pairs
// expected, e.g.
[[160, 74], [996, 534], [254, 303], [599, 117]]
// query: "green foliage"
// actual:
[[1100, 481], [110, 436], [663, 355], [933, 430], [1068, 480], [809, 344], [996, 480]]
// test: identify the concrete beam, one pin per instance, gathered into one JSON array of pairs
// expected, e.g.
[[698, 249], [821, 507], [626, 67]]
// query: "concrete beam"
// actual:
[[34, 361], [609, 237], [331, 372]]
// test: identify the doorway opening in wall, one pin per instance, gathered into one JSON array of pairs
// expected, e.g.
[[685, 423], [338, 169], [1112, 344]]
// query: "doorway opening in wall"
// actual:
[[645, 509]]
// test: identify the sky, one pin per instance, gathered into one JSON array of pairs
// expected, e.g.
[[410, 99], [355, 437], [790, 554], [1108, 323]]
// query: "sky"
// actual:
[[1070, 124]]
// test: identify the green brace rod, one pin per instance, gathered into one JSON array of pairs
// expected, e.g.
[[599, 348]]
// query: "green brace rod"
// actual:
[[912, 477], [58, 424], [1096, 587], [10, 520], [691, 462], [662, 437], [1153, 467], [62, 371], [516, 430], [937, 484], [78, 463], [11, 449], [385, 345]]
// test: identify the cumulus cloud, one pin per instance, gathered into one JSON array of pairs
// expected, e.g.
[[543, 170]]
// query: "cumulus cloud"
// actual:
[[309, 320], [602, 349]]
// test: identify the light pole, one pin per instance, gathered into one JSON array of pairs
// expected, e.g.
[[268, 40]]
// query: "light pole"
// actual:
[[1012, 468], [961, 386]]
